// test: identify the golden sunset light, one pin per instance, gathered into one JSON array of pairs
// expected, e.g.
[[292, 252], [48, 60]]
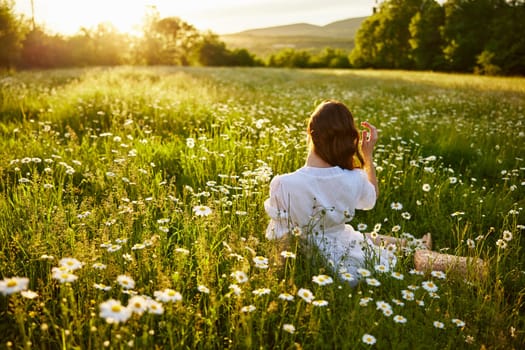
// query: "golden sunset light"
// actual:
[[228, 16], [262, 174]]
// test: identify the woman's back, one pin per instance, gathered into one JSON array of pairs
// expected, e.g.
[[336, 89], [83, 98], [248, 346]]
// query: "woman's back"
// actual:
[[319, 200]]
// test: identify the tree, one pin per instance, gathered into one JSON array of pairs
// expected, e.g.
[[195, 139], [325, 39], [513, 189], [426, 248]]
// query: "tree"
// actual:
[[426, 41], [110, 47], [331, 58], [242, 57], [467, 30], [39, 50], [10, 34], [167, 41], [212, 51], [504, 51], [365, 52], [383, 39], [289, 58]]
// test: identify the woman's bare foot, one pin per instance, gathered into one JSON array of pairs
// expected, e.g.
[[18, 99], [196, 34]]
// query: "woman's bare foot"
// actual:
[[427, 240]]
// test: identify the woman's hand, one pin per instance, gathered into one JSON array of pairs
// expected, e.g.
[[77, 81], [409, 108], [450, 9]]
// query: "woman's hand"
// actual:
[[368, 139]]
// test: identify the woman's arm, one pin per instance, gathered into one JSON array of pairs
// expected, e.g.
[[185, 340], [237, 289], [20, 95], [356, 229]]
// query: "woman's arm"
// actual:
[[368, 141]]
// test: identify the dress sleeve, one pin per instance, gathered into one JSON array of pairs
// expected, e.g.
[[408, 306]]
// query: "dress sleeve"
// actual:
[[367, 197], [276, 209]]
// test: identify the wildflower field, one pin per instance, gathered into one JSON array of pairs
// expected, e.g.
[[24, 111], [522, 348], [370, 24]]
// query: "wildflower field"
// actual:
[[131, 214]]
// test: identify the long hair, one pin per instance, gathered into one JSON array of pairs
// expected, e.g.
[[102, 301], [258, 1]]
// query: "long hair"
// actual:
[[334, 136]]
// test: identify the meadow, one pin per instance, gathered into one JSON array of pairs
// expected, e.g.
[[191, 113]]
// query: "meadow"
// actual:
[[132, 217]]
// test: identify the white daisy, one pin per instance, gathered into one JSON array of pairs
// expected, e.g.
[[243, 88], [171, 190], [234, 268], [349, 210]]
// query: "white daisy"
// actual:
[[235, 289], [438, 324], [347, 276], [126, 282], [429, 286], [240, 276], [306, 295], [203, 289], [248, 309], [381, 268], [396, 206], [167, 295], [71, 264], [154, 307], [364, 272], [373, 282], [322, 280], [398, 275], [287, 254], [261, 291], [438, 274], [458, 322], [320, 303], [114, 312], [138, 304], [368, 339], [507, 235], [63, 276], [400, 319], [289, 328], [13, 285], [202, 210], [286, 296]]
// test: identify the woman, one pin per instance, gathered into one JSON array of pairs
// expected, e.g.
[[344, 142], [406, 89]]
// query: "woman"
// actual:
[[319, 199]]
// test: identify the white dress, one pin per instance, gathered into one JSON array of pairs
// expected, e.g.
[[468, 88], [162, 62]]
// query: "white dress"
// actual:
[[318, 203]]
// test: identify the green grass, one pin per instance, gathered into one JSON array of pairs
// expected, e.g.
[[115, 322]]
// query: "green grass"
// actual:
[[107, 165]]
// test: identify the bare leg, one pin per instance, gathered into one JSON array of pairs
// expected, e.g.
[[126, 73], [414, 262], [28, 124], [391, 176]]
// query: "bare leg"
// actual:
[[426, 260]]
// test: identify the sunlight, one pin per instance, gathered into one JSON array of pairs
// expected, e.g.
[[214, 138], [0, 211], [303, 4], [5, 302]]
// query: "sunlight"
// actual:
[[224, 16], [67, 17]]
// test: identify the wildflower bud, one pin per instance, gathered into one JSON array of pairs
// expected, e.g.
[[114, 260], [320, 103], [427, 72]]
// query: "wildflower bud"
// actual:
[[44, 327]]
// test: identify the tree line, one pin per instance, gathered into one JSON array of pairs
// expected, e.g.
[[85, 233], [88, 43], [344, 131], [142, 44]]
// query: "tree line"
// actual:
[[480, 36]]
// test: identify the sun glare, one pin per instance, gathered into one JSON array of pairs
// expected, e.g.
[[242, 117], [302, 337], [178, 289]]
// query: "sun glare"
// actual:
[[67, 17], [220, 16]]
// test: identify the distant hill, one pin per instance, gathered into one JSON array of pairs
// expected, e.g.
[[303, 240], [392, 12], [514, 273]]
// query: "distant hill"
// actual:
[[300, 36], [345, 28]]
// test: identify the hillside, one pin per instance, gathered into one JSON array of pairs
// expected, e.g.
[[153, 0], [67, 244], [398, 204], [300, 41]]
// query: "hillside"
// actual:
[[301, 36]]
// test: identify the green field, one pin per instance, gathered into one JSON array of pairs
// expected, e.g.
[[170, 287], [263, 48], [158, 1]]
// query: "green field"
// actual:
[[265, 46], [152, 182]]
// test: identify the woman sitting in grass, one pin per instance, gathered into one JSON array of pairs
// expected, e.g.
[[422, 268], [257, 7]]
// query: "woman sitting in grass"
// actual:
[[317, 200]]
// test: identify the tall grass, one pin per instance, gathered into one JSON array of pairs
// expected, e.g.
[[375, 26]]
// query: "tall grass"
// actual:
[[159, 175]]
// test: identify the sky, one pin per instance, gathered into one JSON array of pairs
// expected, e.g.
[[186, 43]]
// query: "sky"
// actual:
[[220, 16]]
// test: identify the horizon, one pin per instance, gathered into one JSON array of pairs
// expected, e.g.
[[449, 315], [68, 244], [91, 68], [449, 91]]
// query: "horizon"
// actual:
[[224, 17]]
